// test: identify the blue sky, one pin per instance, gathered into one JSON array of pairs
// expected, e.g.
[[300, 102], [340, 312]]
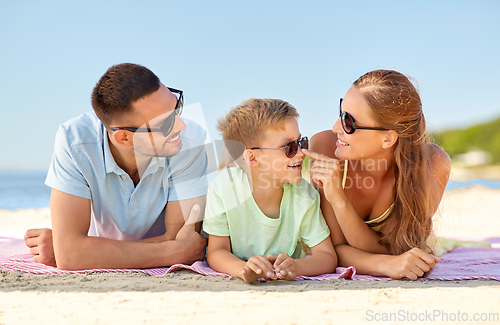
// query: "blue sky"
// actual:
[[221, 53]]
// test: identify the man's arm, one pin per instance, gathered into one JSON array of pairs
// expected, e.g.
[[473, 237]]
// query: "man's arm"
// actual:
[[176, 215], [75, 250], [41, 245]]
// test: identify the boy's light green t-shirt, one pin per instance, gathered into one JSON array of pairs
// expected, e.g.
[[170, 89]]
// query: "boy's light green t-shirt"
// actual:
[[232, 211]]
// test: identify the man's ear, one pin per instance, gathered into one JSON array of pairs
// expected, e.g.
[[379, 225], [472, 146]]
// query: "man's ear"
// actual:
[[123, 138], [250, 158], [390, 139]]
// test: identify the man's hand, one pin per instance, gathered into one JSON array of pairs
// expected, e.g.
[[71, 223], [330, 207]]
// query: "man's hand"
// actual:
[[284, 265], [412, 264], [41, 247], [193, 242]]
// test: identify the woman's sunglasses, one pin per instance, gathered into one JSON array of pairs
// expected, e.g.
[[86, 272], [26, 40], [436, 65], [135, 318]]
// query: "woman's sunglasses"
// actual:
[[292, 148], [168, 125], [349, 124]]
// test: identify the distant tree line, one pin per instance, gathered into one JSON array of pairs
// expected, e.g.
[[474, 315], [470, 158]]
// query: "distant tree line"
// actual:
[[484, 137]]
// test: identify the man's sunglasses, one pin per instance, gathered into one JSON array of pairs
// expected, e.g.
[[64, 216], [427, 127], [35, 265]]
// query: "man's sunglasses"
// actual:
[[349, 124], [168, 125], [292, 148]]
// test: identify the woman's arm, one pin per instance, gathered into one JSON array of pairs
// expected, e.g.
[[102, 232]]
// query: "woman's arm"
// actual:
[[411, 265], [346, 226]]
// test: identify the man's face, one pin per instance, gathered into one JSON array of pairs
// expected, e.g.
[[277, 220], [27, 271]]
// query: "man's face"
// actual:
[[151, 112]]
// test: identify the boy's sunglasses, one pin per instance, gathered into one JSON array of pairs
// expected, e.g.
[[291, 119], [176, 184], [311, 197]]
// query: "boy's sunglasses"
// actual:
[[349, 124], [291, 148], [168, 125]]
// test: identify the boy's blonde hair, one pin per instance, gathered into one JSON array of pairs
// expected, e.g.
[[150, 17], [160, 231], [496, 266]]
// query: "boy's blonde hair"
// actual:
[[245, 125]]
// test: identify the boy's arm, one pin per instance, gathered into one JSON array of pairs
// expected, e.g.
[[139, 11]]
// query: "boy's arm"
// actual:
[[220, 258], [323, 260], [75, 250]]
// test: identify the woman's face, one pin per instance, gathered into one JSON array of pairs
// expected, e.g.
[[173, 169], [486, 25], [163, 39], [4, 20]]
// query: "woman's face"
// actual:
[[362, 144]]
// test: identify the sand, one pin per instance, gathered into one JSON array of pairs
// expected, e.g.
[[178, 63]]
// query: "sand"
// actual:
[[460, 174], [188, 298]]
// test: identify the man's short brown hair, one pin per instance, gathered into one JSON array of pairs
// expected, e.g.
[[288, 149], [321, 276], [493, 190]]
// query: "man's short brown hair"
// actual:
[[119, 87], [247, 123]]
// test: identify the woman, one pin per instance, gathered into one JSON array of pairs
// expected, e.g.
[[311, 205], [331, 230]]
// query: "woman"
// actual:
[[380, 180]]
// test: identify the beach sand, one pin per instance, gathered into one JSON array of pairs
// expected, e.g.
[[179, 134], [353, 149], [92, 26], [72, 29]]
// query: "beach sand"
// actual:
[[461, 174], [186, 297]]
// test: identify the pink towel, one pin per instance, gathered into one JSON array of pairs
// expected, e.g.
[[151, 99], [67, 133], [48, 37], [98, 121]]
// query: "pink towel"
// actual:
[[463, 263]]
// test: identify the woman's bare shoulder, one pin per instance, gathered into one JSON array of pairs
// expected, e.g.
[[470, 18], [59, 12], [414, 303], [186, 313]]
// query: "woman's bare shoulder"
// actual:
[[440, 164], [324, 143], [440, 160]]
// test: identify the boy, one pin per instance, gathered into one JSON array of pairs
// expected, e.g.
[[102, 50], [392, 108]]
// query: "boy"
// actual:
[[257, 212]]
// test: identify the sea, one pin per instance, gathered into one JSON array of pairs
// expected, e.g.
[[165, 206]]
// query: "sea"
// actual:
[[27, 189]]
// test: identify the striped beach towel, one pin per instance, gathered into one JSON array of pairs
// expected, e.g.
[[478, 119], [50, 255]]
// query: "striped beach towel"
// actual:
[[463, 263]]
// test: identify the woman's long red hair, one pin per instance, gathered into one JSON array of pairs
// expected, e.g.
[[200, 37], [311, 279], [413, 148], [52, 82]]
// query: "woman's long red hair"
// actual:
[[397, 105]]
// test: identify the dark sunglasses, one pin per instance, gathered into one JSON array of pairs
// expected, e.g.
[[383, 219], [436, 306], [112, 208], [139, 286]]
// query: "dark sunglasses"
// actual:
[[168, 125], [349, 124], [292, 148]]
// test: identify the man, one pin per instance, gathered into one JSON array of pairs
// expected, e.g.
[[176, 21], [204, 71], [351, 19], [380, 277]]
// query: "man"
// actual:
[[128, 182]]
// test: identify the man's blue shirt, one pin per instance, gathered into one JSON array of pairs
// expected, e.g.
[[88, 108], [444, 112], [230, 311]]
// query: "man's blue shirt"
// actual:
[[83, 166]]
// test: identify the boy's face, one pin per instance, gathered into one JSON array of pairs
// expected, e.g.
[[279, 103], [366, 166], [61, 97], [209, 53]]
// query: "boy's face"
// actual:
[[274, 165]]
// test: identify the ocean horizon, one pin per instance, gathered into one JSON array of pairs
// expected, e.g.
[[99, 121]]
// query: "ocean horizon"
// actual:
[[23, 190], [27, 189]]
